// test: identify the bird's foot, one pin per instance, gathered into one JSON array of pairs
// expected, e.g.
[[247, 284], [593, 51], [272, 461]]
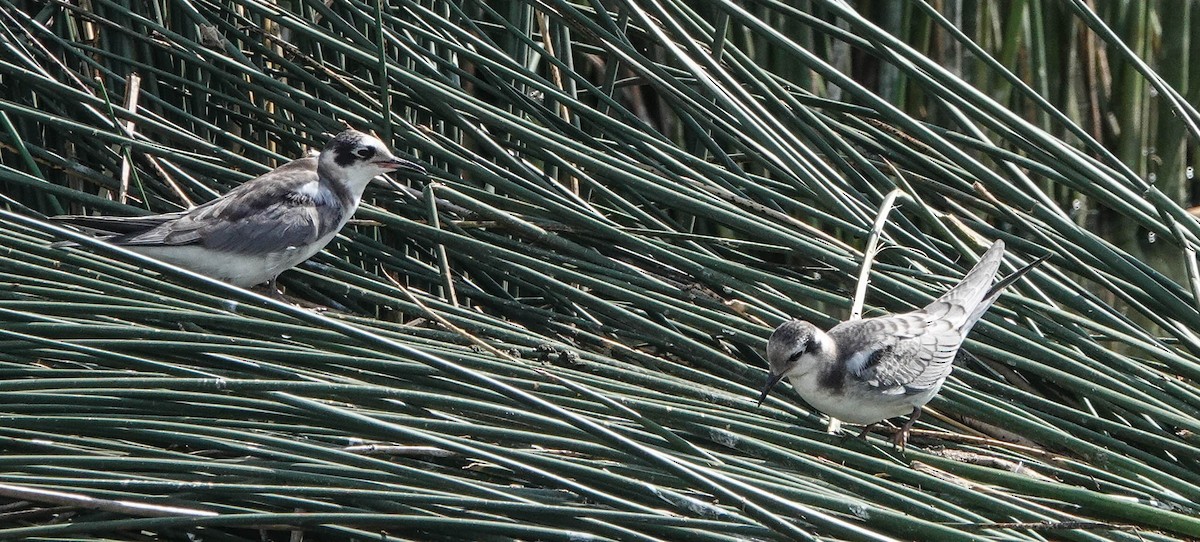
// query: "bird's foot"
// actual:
[[900, 439], [273, 291], [866, 431]]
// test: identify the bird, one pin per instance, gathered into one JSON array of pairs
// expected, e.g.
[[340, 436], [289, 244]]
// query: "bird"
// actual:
[[873, 369], [266, 225]]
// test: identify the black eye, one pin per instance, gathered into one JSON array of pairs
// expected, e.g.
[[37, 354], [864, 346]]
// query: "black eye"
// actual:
[[364, 153], [809, 347]]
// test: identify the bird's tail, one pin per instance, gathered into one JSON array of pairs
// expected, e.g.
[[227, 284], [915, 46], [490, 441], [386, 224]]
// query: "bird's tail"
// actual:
[[973, 288], [109, 227], [113, 225], [976, 292], [994, 292]]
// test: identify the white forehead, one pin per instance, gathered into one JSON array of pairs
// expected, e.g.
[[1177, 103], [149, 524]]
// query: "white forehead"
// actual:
[[367, 140]]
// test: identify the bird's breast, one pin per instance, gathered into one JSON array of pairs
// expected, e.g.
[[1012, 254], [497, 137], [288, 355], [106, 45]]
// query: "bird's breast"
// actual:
[[852, 402]]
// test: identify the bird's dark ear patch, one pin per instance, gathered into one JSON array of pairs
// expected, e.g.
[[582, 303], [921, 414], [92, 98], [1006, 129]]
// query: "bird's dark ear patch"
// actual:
[[344, 150]]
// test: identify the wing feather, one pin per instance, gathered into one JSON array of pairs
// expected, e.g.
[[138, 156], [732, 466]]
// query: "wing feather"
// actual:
[[270, 213], [914, 352], [905, 353]]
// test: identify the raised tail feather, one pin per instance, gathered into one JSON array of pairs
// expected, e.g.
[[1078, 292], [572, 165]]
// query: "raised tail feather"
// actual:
[[996, 290]]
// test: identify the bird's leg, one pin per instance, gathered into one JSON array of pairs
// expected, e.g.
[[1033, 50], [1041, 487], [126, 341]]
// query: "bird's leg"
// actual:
[[866, 431], [273, 289], [901, 438]]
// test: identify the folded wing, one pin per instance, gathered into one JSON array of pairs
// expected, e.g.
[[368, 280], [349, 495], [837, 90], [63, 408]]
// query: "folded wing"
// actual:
[[267, 214], [913, 352]]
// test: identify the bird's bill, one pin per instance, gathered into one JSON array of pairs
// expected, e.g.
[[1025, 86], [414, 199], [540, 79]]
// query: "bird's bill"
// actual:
[[393, 164], [771, 382]]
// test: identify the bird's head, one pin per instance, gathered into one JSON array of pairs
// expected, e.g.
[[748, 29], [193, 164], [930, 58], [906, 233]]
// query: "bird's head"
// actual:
[[355, 158], [794, 349]]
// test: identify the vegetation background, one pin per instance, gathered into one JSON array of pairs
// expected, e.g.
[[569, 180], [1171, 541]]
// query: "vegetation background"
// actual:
[[557, 334]]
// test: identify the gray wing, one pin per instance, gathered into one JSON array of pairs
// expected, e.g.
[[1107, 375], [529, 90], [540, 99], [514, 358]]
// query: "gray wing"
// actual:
[[266, 214], [910, 353], [270, 227], [907, 353]]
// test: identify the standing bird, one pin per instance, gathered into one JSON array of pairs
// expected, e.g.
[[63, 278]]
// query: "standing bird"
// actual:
[[267, 225], [866, 371]]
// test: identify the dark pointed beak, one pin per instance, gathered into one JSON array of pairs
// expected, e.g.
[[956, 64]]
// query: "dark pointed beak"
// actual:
[[393, 164], [772, 380]]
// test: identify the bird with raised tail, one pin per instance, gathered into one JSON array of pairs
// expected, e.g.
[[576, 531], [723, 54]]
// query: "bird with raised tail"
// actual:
[[267, 225], [869, 370]]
